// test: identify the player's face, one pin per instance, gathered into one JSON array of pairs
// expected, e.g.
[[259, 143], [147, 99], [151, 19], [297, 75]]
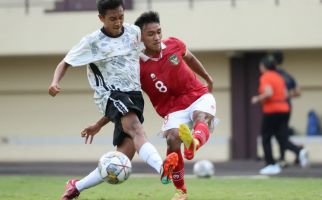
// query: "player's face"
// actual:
[[262, 68], [113, 21], [151, 37]]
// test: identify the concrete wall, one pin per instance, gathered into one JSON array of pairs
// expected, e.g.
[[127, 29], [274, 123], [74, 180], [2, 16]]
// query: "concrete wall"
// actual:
[[31, 120], [33, 44], [209, 25]]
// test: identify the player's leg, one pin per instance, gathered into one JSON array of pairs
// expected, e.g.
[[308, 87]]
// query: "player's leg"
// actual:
[[203, 113], [94, 178], [301, 154], [282, 140], [147, 152], [173, 145], [74, 187], [126, 110], [268, 129], [199, 136]]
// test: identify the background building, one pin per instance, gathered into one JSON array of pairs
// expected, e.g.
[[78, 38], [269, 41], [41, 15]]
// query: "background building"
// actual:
[[228, 36]]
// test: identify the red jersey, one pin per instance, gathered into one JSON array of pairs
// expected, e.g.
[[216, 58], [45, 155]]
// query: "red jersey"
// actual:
[[168, 81], [278, 102]]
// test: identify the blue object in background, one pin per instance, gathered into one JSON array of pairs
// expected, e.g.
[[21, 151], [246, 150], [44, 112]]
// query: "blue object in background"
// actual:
[[313, 125]]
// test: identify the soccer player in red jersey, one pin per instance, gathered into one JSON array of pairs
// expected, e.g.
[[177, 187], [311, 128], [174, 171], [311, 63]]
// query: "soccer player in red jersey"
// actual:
[[168, 76]]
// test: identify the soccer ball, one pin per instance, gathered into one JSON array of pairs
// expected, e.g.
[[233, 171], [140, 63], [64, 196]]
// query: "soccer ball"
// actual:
[[204, 169], [114, 167]]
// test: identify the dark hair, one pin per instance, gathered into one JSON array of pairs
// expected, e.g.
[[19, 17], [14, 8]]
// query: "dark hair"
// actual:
[[104, 5], [146, 18], [269, 62], [278, 57]]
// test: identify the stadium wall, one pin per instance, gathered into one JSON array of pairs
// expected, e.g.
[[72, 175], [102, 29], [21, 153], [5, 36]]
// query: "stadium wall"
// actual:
[[33, 44]]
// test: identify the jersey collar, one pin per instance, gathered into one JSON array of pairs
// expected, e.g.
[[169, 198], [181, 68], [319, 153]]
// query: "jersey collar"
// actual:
[[146, 58]]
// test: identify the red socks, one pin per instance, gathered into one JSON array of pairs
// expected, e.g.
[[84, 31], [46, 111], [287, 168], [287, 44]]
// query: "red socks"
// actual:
[[201, 132], [178, 173]]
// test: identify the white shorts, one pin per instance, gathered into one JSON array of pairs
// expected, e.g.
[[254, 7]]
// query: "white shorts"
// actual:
[[205, 103]]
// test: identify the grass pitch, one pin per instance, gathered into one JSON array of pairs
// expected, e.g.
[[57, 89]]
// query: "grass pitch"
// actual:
[[141, 188]]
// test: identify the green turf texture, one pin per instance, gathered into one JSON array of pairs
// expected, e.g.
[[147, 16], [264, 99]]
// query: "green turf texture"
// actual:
[[140, 188]]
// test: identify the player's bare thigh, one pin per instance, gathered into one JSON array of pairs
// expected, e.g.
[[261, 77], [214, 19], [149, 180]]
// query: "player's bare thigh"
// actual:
[[132, 125], [200, 116]]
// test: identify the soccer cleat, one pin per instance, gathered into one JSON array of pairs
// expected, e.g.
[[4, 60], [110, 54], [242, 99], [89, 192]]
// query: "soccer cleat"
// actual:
[[168, 165], [180, 195], [190, 143], [71, 191]]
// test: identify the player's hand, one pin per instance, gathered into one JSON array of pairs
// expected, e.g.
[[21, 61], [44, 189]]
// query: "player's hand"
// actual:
[[89, 132], [255, 99], [53, 89]]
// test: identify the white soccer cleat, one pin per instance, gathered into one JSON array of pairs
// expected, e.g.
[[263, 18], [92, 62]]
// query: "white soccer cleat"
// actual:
[[271, 170], [304, 158]]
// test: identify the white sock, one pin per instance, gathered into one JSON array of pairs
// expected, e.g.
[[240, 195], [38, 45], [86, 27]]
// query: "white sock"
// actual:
[[151, 156], [92, 179]]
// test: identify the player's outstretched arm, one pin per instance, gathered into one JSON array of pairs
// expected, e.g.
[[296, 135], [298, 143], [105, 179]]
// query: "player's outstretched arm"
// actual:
[[268, 92], [90, 131], [198, 68], [54, 87]]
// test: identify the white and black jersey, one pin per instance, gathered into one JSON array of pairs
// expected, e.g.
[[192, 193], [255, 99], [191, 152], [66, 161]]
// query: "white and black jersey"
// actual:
[[112, 63]]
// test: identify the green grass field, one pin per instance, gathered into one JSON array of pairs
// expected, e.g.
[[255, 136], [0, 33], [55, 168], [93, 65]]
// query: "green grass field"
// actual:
[[140, 188]]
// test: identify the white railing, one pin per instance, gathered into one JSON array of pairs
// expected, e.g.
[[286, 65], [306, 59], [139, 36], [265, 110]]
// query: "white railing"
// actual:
[[25, 4]]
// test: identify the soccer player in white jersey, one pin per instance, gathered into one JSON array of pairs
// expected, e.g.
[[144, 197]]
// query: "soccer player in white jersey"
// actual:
[[112, 58]]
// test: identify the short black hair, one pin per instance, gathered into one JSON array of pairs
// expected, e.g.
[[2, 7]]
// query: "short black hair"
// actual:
[[146, 18], [278, 57], [104, 5], [269, 62]]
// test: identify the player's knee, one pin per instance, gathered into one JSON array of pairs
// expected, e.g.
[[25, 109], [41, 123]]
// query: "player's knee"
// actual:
[[173, 141], [133, 127], [202, 117]]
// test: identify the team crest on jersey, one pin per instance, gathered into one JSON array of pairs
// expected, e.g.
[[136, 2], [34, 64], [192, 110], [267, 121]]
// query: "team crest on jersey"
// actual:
[[174, 59]]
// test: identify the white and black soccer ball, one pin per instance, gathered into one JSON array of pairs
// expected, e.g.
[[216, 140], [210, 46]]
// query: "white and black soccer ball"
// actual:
[[114, 167], [204, 169]]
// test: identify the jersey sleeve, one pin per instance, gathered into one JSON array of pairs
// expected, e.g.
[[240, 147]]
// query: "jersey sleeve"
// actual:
[[181, 45], [80, 54]]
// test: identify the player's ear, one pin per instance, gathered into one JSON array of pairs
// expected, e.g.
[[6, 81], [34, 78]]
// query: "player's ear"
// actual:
[[101, 17]]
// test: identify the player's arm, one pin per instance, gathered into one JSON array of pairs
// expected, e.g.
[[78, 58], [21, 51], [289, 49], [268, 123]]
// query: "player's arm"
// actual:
[[296, 92], [198, 68], [267, 93], [90, 131], [293, 88], [60, 71]]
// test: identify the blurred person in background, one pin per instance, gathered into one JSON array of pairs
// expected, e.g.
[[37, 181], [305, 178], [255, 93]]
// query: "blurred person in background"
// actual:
[[301, 154], [272, 94]]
